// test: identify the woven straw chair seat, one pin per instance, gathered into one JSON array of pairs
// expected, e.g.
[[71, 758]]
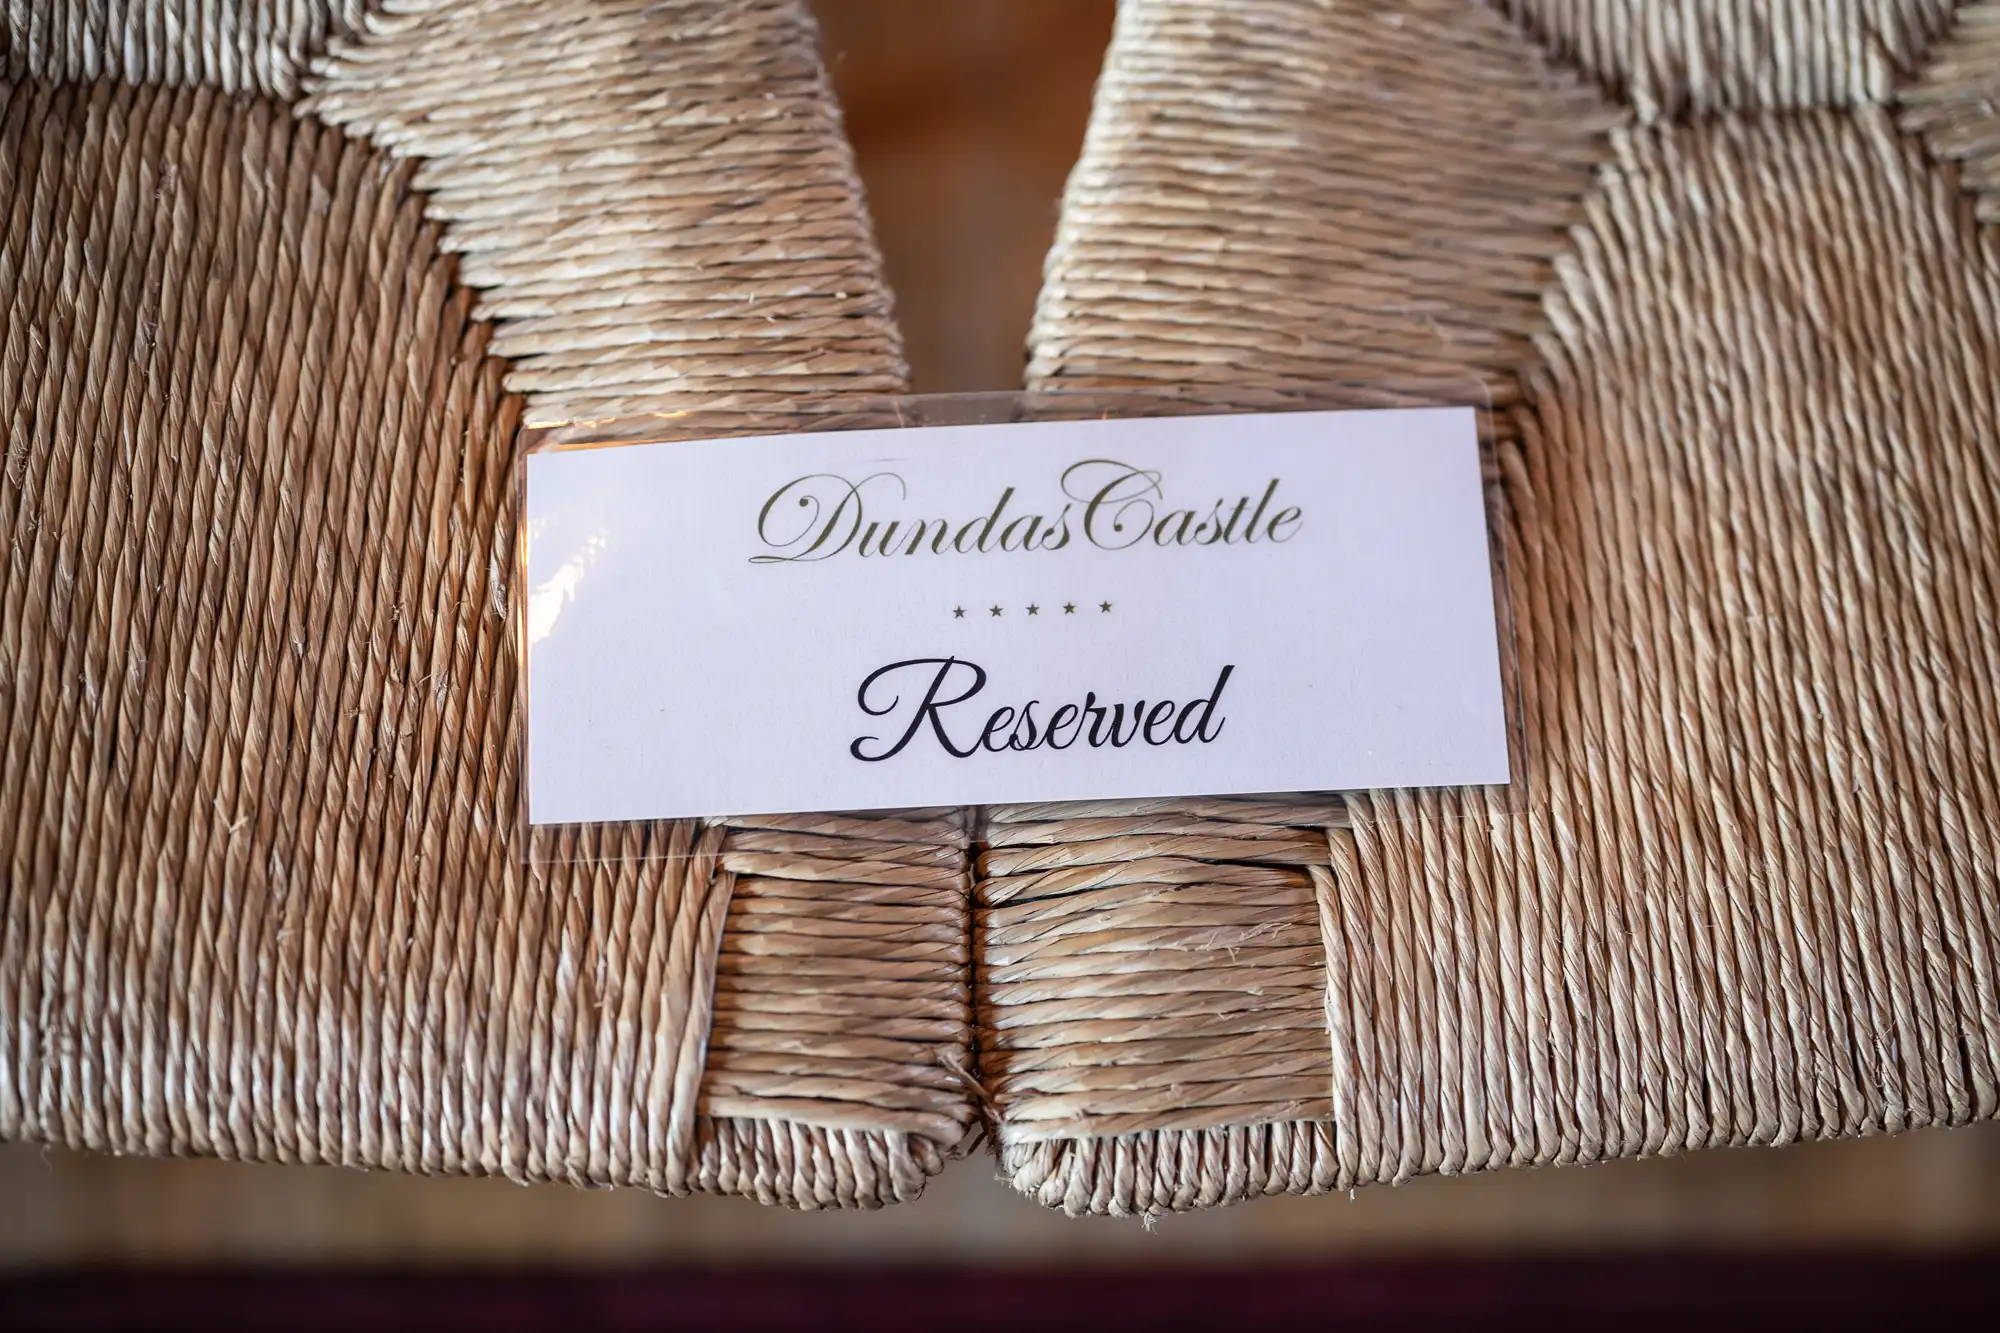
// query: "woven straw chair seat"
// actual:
[[278, 283], [280, 280], [1719, 267]]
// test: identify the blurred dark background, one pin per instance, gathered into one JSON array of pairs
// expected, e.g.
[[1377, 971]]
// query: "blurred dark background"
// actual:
[[966, 115]]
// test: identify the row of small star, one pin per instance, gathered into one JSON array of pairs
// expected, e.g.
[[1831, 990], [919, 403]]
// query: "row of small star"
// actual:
[[1069, 609]]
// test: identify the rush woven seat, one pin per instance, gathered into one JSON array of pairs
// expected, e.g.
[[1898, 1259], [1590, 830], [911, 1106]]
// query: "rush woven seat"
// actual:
[[1720, 267], [277, 285]]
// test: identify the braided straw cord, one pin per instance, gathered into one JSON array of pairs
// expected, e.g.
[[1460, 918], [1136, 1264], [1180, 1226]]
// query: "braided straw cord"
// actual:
[[236, 45], [265, 894], [1745, 891], [1956, 105]]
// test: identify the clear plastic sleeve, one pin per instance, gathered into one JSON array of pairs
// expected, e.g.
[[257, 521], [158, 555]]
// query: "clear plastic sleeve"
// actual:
[[616, 840]]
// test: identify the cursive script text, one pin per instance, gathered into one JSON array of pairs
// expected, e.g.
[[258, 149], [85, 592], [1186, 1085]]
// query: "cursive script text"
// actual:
[[1107, 504], [932, 693]]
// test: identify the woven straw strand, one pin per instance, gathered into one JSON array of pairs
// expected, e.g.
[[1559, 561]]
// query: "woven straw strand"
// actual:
[[1320, 123], [237, 45], [1695, 57], [161, 599], [1956, 105], [1779, 922]]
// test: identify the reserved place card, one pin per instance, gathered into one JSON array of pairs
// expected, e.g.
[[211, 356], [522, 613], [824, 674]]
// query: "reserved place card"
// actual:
[[972, 615]]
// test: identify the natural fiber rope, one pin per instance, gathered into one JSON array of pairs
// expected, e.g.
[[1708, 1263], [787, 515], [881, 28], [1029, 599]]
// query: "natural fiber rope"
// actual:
[[239, 45], [1339, 268], [1183, 934], [654, 198], [841, 996], [1679, 57], [1956, 105], [264, 894], [1746, 890], [1758, 700]]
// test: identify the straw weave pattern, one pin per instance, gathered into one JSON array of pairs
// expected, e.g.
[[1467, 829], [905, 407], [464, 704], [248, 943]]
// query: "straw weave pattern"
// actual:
[[1718, 270], [1336, 268], [654, 199], [1956, 104], [1686, 57], [1746, 363], [239, 46], [265, 891]]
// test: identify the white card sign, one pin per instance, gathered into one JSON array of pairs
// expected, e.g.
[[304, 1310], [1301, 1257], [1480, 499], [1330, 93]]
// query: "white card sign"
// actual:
[[980, 614]]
